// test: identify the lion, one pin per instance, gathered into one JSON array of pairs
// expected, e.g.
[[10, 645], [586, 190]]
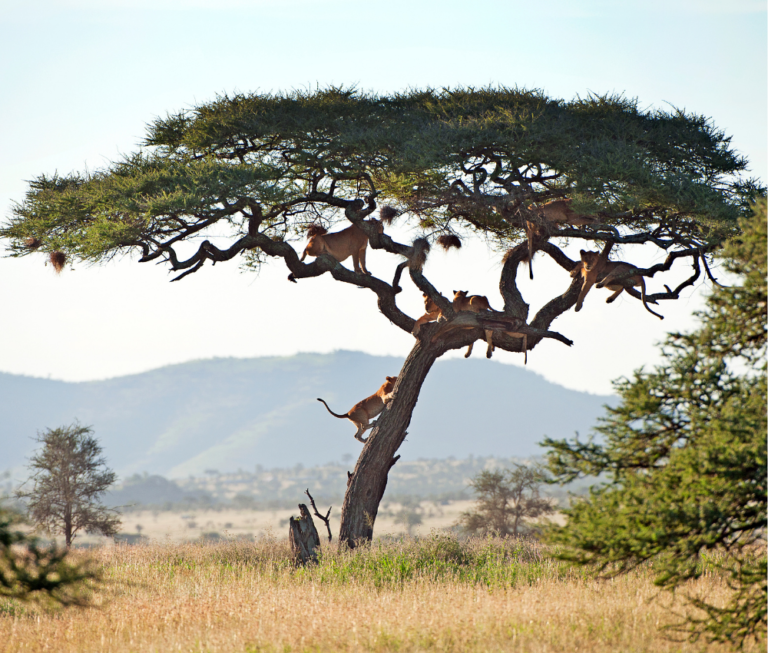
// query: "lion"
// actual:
[[552, 213], [351, 241], [364, 411], [474, 304], [594, 266], [464, 302]]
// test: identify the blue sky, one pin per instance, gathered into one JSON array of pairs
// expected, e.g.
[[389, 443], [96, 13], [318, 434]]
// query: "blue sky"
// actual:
[[80, 79]]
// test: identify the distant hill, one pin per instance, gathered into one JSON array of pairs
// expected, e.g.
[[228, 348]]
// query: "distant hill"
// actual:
[[231, 414]]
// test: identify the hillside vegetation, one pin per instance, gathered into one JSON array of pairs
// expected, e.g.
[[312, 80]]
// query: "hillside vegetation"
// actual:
[[230, 414]]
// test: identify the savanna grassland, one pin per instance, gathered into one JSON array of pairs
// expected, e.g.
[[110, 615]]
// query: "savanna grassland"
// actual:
[[436, 593]]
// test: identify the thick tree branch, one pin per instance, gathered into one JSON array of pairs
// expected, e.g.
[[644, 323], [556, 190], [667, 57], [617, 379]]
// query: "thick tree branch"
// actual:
[[423, 284], [514, 304], [585, 233], [557, 306], [558, 256]]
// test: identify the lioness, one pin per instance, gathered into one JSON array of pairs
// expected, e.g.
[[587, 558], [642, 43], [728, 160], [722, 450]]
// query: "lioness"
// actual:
[[594, 267], [473, 304], [351, 241], [555, 212], [463, 302], [363, 411]]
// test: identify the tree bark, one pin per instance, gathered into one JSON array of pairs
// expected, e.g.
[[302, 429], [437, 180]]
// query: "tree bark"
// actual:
[[303, 537], [366, 485]]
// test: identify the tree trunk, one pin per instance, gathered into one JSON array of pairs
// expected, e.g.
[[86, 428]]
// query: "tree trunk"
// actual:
[[68, 526], [303, 537], [365, 487]]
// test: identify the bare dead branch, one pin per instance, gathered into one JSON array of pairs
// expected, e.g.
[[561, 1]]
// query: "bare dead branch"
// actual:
[[325, 519]]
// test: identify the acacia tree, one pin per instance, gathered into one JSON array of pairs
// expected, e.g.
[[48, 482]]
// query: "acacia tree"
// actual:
[[68, 480], [244, 176], [506, 499]]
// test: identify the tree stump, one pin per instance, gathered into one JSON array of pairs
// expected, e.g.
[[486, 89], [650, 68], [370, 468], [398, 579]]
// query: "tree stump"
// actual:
[[303, 536]]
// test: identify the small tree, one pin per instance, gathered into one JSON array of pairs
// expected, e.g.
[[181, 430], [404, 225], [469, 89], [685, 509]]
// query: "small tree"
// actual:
[[29, 570], [684, 454], [409, 514], [506, 499], [69, 478]]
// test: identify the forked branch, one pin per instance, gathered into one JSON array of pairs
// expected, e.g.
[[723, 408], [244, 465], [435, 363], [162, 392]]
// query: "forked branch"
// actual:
[[326, 519]]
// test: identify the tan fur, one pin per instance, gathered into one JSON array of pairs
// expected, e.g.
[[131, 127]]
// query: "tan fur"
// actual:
[[464, 302], [446, 241], [473, 304], [552, 213], [433, 313], [58, 260], [388, 214], [351, 241], [364, 411], [594, 266], [417, 254]]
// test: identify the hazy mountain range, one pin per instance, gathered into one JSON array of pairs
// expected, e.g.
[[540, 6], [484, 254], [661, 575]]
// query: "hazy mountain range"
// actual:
[[231, 414]]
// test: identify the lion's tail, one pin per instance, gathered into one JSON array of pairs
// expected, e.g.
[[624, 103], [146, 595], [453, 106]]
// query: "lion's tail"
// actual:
[[330, 411]]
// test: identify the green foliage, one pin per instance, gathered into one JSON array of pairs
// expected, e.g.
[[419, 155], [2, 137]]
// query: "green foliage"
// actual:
[[506, 500], [686, 456], [451, 158], [68, 480], [32, 570], [489, 561]]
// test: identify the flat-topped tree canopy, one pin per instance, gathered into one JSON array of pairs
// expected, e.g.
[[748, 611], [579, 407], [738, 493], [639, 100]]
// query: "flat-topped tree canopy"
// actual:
[[464, 157], [249, 173], [244, 176]]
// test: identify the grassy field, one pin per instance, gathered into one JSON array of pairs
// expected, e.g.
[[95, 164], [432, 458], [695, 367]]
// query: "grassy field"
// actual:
[[432, 594]]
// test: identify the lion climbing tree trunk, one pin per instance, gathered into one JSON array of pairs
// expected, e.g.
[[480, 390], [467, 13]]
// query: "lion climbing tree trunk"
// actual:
[[365, 487]]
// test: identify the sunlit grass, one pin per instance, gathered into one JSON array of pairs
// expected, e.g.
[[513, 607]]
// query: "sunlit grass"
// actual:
[[436, 593]]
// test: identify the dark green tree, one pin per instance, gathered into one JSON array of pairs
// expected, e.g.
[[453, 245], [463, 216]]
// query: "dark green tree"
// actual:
[[506, 500], [241, 178], [69, 477], [685, 455], [32, 570]]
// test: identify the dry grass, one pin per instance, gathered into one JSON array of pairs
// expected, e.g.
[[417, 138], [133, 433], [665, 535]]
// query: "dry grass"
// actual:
[[434, 594], [165, 526]]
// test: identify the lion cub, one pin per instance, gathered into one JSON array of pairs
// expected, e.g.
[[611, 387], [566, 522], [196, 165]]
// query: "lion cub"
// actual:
[[363, 411], [461, 302], [351, 241], [594, 267], [474, 304]]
